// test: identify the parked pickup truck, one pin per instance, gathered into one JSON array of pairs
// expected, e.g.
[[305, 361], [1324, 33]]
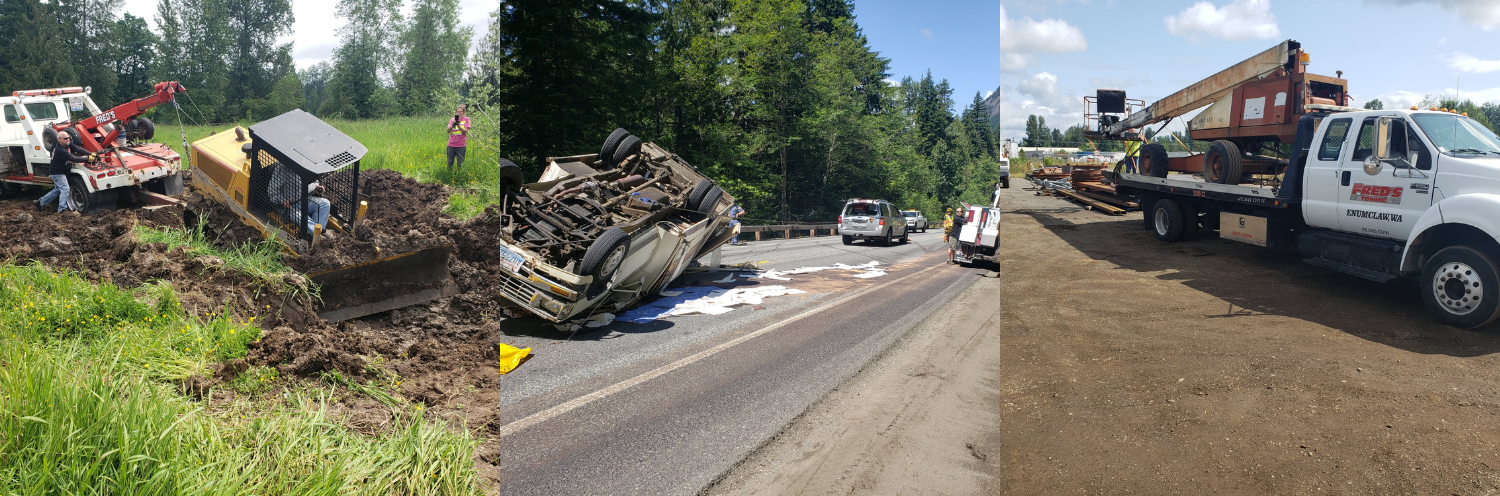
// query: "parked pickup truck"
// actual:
[[601, 231], [1376, 194]]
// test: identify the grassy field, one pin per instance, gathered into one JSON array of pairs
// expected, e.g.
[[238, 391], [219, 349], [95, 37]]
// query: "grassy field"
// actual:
[[413, 146], [90, 404]]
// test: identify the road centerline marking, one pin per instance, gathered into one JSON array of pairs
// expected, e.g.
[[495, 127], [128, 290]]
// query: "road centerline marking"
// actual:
[[580, 401]]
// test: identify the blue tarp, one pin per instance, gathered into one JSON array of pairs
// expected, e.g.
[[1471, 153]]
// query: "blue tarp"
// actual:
[[659, 308]]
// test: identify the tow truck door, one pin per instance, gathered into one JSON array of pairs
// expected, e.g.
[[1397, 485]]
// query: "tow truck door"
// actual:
[[1374, 197], [1321, 184]]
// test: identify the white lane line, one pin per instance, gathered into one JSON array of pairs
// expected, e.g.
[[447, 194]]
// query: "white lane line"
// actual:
[[580, 401]]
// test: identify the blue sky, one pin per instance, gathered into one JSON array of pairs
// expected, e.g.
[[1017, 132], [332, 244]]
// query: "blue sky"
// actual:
[[1056, 51], [959, 40]]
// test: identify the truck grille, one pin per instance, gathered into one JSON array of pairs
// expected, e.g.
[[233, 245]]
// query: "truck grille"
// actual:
[[519, 292]]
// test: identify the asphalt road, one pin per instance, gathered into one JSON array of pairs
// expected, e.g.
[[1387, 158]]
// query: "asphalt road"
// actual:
[[668, 406]]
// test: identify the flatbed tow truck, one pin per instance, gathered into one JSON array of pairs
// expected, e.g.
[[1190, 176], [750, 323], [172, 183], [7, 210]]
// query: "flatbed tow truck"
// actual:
[[1376, 194]]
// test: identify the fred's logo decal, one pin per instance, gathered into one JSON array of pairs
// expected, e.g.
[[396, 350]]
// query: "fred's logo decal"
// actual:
[[1376, 194]]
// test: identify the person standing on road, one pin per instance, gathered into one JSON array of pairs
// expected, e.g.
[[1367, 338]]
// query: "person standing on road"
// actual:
[[62, 162], [947, 227], [458, 136], [734, 220], [957, 228]]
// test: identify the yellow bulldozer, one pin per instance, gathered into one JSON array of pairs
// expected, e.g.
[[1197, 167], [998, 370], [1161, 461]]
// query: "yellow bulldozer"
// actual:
[[293, 178]]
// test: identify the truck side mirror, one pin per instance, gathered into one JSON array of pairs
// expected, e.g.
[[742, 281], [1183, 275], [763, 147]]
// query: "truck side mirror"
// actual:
[[1383, 139]]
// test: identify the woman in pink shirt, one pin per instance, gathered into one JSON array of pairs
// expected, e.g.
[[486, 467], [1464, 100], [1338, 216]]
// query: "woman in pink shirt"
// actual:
[[458, 136]]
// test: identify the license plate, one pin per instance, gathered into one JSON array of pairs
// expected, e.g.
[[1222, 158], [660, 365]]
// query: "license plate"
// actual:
[[860, 221], [510, 260]]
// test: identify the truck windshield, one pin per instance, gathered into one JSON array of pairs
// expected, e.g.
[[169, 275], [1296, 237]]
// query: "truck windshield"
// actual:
[[1458, 135]]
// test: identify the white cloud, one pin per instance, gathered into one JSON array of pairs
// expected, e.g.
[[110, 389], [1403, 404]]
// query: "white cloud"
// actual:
[[1023, 38], [1482, 13], [1026, 36], [1464, 62], [1241, 20], [927, 33]]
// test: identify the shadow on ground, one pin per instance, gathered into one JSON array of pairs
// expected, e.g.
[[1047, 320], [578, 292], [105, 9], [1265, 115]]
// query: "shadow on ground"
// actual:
[[1252, 281]]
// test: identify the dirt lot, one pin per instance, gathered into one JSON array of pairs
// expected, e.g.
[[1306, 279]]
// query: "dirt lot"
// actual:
[[1131, 365]]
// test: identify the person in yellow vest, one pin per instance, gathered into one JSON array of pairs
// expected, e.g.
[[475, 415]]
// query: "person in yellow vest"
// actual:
[[947, 225], [1132, 155]]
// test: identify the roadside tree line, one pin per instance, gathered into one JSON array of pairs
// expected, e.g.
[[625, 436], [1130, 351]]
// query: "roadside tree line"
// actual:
[[783, 101]]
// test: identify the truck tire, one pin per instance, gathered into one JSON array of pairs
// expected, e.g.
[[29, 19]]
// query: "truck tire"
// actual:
[[1154, 160], [1189, 220], [631, 145], [1167, 220], [905, 236], [1461, 287], [695, 196], [603, 258], [511, 176], [145, 129], [1223, 163], [886, 241], [607, 151], [848, 240], [79, 197]]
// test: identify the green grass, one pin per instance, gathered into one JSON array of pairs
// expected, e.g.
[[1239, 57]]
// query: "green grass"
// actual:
[[89, 404], [413, 146], [260, 260]]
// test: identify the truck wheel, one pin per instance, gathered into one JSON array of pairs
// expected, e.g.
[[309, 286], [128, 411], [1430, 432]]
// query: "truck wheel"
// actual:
[[848, 240], [1189, 220], [603, 258], [1459, 285], [1154, 160], [886, 241], [1223, 163], [1167, 220], [511, 176], [631, 145], [145, 129], [81, 199], [607, 152], [905, 236], [695, 196]]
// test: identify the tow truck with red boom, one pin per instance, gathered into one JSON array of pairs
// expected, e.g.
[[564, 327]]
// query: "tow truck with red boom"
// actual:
[[137, 171]]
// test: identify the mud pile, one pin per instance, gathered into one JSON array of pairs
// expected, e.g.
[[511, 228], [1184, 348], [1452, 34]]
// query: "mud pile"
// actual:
[[104, 247]]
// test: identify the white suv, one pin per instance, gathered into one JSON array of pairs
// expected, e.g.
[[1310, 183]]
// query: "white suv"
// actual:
[[872, 220]]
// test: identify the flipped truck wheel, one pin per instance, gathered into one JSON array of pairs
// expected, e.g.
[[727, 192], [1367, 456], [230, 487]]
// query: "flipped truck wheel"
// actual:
[[1459, 286], [603, 259], [1167, 220], [848, 240]]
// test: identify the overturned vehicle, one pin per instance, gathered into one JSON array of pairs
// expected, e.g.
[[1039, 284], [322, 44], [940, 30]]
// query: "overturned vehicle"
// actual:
[[601, 231]]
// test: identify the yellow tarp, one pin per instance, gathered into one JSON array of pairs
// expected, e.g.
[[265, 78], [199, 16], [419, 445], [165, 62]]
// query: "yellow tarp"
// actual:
[[511, 357]]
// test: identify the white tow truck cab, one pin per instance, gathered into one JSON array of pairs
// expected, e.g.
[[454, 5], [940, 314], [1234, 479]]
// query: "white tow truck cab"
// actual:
[[143, 172], [1377, 194]]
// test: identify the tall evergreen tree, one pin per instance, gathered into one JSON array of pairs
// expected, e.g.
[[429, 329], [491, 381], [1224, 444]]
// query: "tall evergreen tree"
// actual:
[[31, 52], [315, 85], [193, 38], [137, 45], [434, 58], [564, 73], [256, 61], [362, 64], [88, 32]]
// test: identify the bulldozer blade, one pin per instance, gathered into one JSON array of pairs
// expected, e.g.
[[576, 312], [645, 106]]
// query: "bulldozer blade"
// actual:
[[385, 283]]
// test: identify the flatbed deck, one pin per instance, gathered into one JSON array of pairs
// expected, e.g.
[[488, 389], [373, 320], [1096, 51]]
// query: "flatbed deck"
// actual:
[[1188, 184]]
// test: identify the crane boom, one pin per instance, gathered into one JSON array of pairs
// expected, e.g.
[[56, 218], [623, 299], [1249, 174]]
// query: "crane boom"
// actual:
[[165, 92], [1200, 94]]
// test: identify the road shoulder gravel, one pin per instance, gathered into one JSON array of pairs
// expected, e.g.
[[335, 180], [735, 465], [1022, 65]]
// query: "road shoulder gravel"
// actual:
[[923, 418]]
